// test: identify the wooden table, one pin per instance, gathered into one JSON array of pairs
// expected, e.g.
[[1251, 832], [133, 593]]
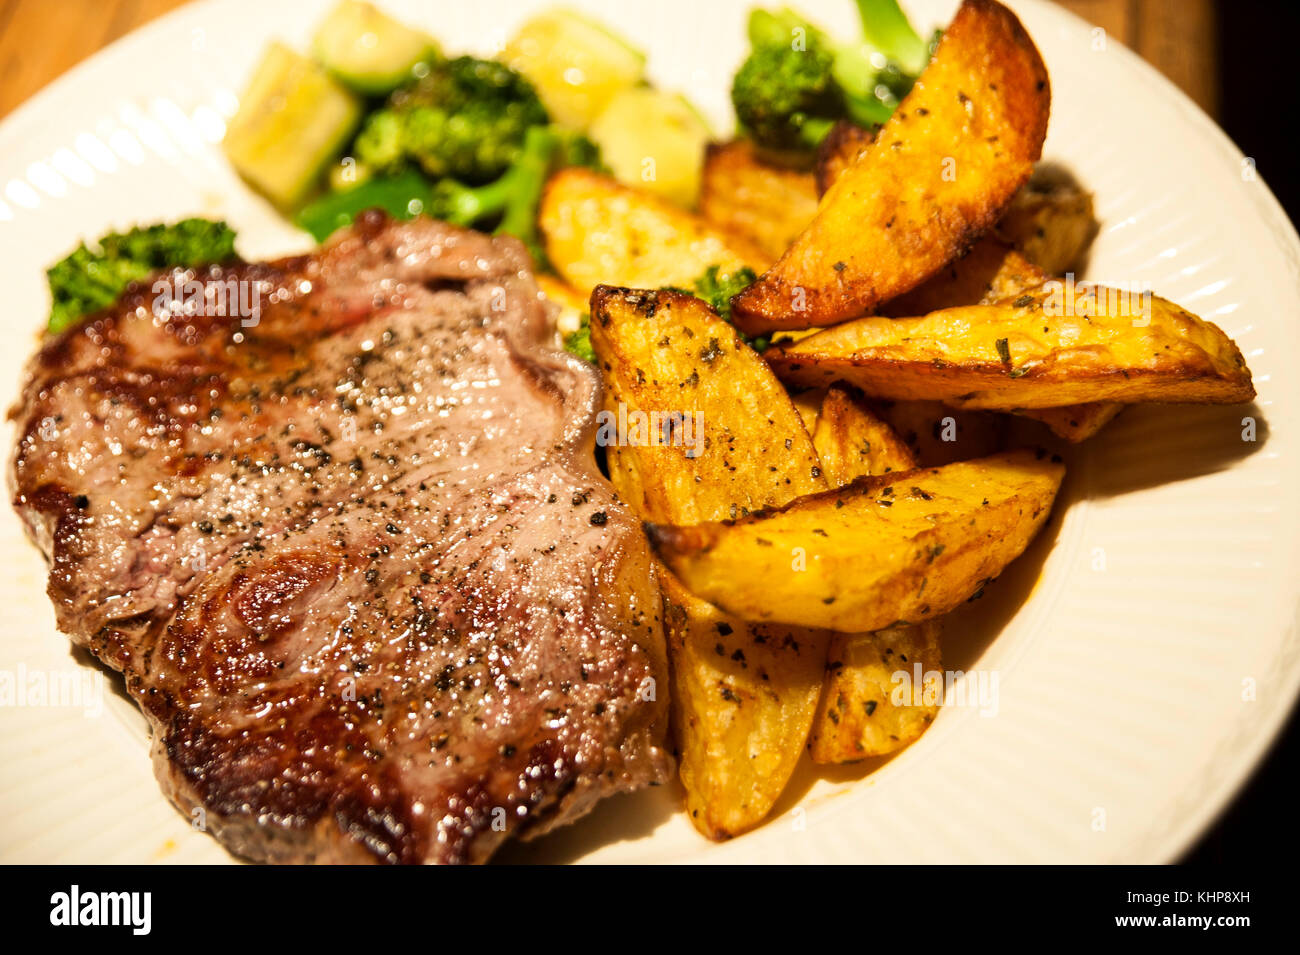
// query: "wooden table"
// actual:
[[40, 39]]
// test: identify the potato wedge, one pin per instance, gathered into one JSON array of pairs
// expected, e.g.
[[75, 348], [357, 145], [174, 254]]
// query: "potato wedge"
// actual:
[[938, 176], [899, 548], [743, 195], [738, 444], [743, 700], [743, 696], [1050, 224], [852, 442], [599, 231], [1057, 345], [857, 715], [860, 714]]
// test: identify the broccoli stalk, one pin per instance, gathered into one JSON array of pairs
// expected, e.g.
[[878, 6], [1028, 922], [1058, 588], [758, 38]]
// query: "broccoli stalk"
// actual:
[[885, 26], [512, 199]]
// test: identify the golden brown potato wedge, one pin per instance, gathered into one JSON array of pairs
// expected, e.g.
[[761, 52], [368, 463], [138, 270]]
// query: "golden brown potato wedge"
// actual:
[[863, 711], [743, 195], [852, 442], [597, 230], [736, 443], [1050, 224], [1057, 345], [936, 178], [858, 714], [744, 696], [899, 548], [992, 272]]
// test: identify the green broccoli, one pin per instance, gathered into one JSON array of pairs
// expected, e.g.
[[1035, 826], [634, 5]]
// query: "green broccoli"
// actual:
[[786, 98], [797, 82], [464, 119], [718, 290], [92, 278], [579, 342]]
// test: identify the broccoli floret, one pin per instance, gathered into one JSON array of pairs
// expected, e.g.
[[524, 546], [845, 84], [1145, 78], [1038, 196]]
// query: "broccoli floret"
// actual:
[[796, 82], [788, 99], [466, 119], [93, 277], [579, 342], [511, 201]]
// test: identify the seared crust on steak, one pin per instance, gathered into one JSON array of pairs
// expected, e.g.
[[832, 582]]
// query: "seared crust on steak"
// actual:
[[353, 556]]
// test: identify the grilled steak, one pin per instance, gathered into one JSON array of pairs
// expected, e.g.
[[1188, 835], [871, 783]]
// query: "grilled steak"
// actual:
[[353, 558]]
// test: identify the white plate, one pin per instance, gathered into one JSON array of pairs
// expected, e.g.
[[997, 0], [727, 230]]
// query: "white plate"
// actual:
[[1145, 649]]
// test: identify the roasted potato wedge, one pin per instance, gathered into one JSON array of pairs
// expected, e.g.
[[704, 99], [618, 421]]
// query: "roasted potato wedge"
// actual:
[[743, 195], [859, 714], [1050, 224], [1057, 345], [743, 701], [743, 696], [938, 176], [736, 443], [899, 548], [852, 442], [599, 231]]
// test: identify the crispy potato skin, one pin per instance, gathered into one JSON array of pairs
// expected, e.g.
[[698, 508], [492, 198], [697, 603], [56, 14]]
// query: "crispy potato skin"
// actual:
[[766, 204], [744, 697], [1051, 359], [669, 352], [899, 548], [937, 177], [597, 230]]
